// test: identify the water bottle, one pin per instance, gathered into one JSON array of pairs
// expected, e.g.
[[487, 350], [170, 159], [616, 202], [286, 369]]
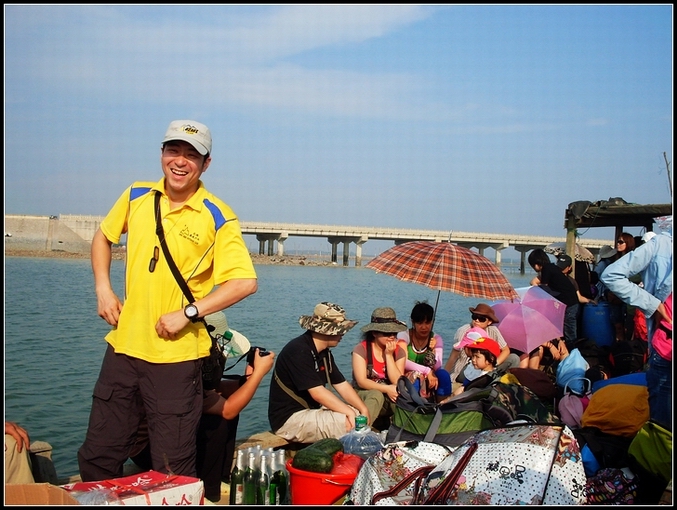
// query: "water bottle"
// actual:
[[251, 476], [263, 482], [237, 480], [362, 440], [228, 347]]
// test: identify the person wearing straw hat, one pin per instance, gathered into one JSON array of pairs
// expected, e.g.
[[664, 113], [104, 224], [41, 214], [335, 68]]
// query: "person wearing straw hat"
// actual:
[[300, 407], [378, 362]]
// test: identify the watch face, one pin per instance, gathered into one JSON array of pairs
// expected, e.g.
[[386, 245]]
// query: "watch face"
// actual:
[[191, 311]]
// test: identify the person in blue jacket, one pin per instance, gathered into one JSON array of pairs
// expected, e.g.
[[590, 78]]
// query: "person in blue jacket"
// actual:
[[653, 261]]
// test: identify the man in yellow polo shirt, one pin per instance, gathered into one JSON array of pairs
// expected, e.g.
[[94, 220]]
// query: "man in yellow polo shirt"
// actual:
[[152, 366]]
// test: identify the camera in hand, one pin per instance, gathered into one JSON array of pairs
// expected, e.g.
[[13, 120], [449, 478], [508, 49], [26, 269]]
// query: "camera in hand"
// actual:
[[252, 352]]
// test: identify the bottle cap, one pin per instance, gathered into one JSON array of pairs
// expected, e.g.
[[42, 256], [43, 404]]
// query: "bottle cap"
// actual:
[[360, 421], [227, 334]]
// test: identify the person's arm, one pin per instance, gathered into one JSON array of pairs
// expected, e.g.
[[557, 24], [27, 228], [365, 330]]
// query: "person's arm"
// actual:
[[498, 336], [617, 276], [583, 300], [233, 403], [332, 402], [411, 366], [451, 361], [19, 434], [360, 375], [109, 305], [505, 352], [439, 352], [395, 358], [227, 294]]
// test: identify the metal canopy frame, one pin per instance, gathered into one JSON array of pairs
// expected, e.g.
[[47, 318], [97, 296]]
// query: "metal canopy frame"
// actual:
[[614, 212]]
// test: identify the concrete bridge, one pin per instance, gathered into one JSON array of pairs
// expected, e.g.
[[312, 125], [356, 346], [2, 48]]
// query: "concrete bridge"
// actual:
[[74, 233]]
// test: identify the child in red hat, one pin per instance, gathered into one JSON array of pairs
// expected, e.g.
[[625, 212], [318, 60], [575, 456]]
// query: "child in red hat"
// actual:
[[483, 353]]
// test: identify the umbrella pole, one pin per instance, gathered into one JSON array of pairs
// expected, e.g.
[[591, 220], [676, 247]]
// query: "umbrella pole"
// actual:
[[435, 311], [438, 294]]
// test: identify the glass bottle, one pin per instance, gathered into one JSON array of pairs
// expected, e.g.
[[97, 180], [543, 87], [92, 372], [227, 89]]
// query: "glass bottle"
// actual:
[[263, 482], [237, 480], [283, 478], [250, 479]]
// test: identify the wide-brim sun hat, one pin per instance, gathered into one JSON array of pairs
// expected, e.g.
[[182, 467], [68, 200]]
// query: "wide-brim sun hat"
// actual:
[[327, 319], [607, 251], [239, 344], [384, 320], [218, 321], [485, 310]]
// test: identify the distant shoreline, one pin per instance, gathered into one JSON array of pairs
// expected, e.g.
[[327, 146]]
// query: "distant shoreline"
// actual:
[[119, 254]]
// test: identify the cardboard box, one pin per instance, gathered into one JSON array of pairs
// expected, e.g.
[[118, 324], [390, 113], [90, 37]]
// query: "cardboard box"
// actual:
[[37, 494], [147, 488]]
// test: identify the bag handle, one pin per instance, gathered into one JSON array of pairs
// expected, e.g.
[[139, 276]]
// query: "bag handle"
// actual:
[[434, 426], [440, 494], [584, 379], [415, 477]]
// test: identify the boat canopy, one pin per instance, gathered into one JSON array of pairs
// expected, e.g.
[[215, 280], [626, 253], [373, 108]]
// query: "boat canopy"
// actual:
[[614, 212]]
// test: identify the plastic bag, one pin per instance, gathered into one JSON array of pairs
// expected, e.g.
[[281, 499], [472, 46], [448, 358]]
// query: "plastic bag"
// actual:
[[363, 442], [346, 464], [96, 497], [571, 372]]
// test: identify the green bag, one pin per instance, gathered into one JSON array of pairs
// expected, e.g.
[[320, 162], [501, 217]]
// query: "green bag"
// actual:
[[449, 424], [652, 450]]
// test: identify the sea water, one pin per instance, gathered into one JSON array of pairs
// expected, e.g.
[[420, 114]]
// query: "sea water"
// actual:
[[54, 339]]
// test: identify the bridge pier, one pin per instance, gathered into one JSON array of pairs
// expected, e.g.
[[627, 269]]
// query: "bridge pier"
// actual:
[[358, 250], [270, 239], [523, 255]]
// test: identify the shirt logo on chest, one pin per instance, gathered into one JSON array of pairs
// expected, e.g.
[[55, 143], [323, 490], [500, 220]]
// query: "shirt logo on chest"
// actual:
[[193, 237]]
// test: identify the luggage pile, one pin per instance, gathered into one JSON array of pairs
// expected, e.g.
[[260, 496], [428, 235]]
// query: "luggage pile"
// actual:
[[503, 444]]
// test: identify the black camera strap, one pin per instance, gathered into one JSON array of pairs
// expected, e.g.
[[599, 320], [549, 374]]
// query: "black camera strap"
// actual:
[[178, 276], [170, 261]]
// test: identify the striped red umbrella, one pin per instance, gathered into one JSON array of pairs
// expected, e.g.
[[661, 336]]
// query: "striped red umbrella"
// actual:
[[445, 266]]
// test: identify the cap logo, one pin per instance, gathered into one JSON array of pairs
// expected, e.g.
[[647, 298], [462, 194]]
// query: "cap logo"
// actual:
[[190, 130]]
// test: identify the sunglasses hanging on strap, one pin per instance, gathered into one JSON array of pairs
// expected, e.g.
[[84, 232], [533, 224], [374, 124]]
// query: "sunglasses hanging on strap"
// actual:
[[170, 261]]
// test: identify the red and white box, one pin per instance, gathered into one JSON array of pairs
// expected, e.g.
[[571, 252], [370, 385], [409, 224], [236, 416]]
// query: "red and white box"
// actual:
[[148, 488]]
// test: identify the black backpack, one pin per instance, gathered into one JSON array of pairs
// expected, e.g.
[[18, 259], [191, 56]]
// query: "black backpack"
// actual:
[[628, 356]]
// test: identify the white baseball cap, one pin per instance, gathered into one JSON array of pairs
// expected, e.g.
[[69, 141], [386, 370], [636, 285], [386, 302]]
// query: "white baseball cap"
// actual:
[[190, 131]]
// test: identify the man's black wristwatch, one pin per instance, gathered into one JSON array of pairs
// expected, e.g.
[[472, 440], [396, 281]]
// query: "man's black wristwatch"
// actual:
[[191, 312]]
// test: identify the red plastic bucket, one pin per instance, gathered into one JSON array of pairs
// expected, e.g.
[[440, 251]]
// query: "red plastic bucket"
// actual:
[[308, 488]]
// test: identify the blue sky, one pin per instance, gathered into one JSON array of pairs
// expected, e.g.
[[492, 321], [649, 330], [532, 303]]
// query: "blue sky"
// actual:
[[470, 118]]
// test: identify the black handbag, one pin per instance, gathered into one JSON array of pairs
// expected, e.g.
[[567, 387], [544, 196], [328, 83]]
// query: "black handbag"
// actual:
[[214, 364]]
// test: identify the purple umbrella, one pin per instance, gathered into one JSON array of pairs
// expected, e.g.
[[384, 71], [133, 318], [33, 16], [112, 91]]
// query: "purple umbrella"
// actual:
[[533, 319]]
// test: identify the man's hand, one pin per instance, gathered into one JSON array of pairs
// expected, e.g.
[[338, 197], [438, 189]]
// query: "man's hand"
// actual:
[[108, 306], [19, 434], [170, 324]]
